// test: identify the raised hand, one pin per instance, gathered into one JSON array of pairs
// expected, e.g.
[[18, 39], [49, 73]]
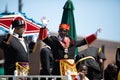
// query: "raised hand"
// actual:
[[44, 21], [11, 30], [98, 31], [35, 37]]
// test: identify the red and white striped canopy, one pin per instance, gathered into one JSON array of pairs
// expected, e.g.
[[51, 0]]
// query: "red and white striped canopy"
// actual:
[[30, 27]]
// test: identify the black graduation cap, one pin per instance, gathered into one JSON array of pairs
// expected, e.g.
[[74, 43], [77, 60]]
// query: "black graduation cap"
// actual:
[[18, 23], [89, 57]]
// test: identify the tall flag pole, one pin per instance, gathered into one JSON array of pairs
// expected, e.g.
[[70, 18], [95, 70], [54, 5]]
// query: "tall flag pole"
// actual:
[[20, 5]]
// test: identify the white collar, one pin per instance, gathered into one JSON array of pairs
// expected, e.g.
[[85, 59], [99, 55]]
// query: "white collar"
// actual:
[[60, 38], [16, 35]]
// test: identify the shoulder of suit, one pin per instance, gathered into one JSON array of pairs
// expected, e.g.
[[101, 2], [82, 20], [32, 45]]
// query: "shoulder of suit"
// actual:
[[54, 37]]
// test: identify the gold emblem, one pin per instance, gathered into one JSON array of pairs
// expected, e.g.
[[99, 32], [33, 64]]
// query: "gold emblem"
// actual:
[[65, 56]]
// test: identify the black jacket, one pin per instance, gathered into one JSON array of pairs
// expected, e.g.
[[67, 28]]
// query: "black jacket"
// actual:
[[58, 50], [13, 52]]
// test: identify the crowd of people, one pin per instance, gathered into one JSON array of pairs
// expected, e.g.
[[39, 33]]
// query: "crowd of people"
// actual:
[[89, 62]]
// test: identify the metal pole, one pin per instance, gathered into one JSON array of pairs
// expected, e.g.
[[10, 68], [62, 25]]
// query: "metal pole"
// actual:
[[20, 5]]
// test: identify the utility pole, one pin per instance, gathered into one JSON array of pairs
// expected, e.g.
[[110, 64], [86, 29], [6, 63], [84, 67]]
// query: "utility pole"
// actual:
[[20, 5]]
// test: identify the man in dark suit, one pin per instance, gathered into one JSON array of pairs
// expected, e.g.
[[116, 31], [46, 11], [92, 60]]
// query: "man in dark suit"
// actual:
[[62, 46], [46, 58], [15, 47]]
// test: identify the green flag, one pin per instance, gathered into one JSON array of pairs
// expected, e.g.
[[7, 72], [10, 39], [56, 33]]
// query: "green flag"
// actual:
[[68, 18]]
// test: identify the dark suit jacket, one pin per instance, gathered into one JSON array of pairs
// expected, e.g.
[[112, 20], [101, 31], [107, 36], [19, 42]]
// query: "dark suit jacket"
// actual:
[[47, 60], [58, 50], [13, 52]]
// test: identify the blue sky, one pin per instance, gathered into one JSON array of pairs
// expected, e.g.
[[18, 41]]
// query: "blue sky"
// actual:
[[89, 15]]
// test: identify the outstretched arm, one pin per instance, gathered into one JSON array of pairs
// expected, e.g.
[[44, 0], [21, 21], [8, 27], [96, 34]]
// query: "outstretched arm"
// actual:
[[89, 39], [44, 31]]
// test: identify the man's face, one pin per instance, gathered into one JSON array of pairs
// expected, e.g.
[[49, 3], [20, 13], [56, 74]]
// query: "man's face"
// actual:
[[63, 32], [19, 30]]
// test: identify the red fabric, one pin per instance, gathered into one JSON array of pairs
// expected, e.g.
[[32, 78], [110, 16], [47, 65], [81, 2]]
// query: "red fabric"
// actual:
[[64, 26], [75, 79], [5, 22], [65, 43], [30, 27], [42, 33], [90, 38]]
